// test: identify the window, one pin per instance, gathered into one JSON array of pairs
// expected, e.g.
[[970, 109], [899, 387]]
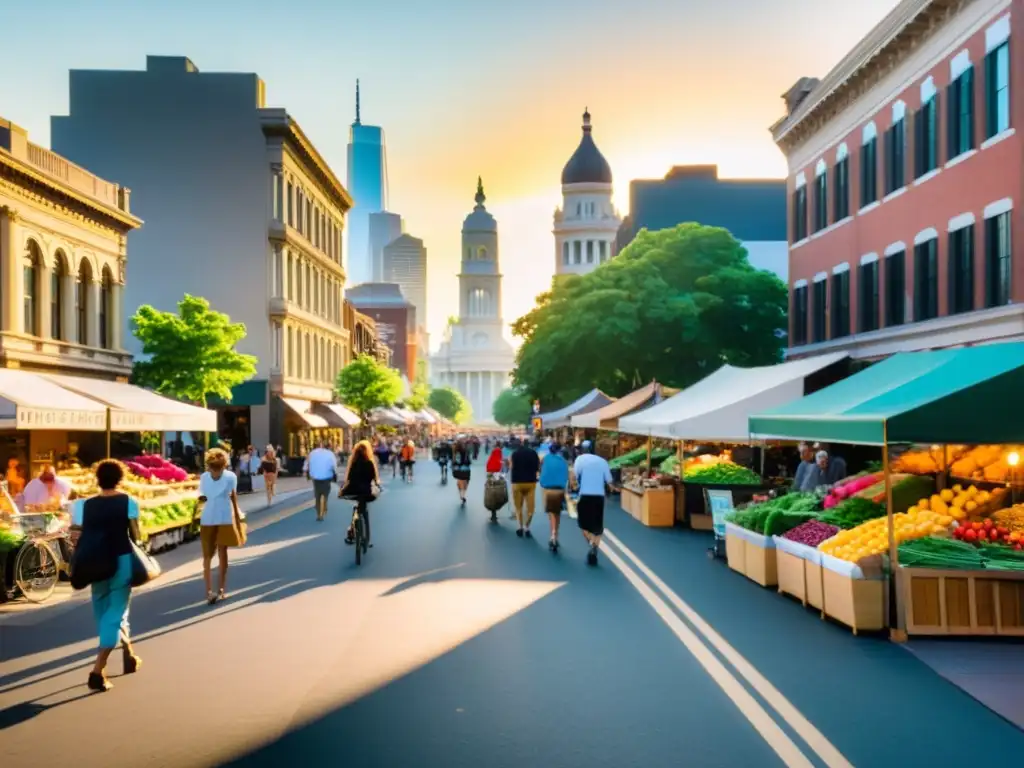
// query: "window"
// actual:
[[31, 264], [960, 114], [799, 311], [299, 212], [960, 285], [926, 280], [895, 156], [82, 301], [57, 279], [590, 251], [800, 213], [820, 309], [821, 197], [926, 138], [895, 288], [867, 289], [997, 260], [602, 248], [997, 90], [278, 272], [290, 370], [869, 166], [841, 304], [577, 251], [291, 205], [841, 185], [106, 306]]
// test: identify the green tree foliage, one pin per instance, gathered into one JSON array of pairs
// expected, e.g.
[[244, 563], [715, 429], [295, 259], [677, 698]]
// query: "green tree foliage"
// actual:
[[190, 355], [511, 408], [365, 384], [673, 306], [420, 388], [450, 404]]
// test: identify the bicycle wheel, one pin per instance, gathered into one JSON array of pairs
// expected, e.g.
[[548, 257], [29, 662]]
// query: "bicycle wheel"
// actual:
[[357, 525], [36, 571]]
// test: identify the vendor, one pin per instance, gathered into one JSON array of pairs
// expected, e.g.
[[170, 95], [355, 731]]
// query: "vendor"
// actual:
[[47, 489], [807, 467], [14, 478], [835, 468]]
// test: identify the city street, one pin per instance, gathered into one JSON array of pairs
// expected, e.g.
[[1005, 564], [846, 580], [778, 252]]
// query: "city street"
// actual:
[[458, 644]]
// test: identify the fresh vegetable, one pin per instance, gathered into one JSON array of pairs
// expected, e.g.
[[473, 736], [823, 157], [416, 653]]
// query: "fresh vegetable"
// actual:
[[10, 541], [853, 512], [785, 512], [639, 456], [812, 533], [872, 537], [932, 552], [721, 473]]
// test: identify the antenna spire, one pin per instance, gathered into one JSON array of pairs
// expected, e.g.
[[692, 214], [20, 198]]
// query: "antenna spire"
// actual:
[[357, 101]]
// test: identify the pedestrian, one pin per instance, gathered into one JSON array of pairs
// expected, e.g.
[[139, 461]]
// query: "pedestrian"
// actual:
[[524, 468], [108, 524], [462, 462], [592, 476], [495, 462], [554, 479], [320, 468], [219, 520], [408, 457], [268, 468]]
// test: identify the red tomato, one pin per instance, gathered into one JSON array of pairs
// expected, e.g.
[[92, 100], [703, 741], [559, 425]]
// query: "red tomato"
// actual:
[[988, 524], [1002, 531], [971, 535], [982, 535], [976, 526], [1018, 547]]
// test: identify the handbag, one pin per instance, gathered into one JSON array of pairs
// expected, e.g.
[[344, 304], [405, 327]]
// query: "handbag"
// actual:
[[144, 567], [239, 529]]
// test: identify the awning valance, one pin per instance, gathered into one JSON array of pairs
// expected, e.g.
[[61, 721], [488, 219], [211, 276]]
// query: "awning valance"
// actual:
[[717, 408], [608, 416], [591, 401], [134, 409], [29, 401], [959, 396], [304, 410], [338, 415]]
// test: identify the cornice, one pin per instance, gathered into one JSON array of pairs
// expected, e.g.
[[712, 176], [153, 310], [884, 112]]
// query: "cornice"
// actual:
[[282, 125], [878, 54]]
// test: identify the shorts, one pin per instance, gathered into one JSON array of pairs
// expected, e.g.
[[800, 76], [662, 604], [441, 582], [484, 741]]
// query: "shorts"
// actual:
[[590, 514], [554, 498], [212, 537], [408, 462], [461, 474]]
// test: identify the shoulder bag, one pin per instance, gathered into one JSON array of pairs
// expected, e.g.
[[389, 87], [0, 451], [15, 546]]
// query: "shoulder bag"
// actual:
[[239, 528], [144, 567]]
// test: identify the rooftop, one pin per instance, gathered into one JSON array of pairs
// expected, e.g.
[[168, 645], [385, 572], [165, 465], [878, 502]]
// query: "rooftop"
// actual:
[[376, 295], [587, 165]]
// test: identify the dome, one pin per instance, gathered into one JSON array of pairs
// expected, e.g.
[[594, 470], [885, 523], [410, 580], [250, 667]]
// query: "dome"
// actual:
[[587, 165], [480, 220]]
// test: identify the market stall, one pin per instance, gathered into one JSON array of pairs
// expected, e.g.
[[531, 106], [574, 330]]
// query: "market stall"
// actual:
[[561, 420], [932, 553]]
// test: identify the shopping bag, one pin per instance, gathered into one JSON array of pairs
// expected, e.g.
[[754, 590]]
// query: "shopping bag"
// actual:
[[144, 567], [495, 493], [570, 505]]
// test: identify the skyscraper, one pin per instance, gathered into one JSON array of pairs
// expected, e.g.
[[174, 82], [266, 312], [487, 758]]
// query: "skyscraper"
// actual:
[[368, 185], [384, 227], [405, 263]]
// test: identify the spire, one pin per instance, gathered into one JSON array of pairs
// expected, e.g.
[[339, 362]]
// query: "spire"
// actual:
[[480, 196], [357, 101], [586, 120]]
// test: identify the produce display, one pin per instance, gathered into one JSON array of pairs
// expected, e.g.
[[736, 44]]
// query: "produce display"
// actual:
[[167, 515], [961, 503], [985, 462], [852, 513], [872, 537], [776, 516], [982, 531], [812, 533], [9, 541], [947, 553], [156, 468], [639, 456], [721, 473], [906, 489], [1011, 518], [669, 466]]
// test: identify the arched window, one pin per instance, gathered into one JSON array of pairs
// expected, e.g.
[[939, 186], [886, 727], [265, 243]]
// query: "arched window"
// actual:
[[479, 302], [106, 309], [565, 251], [82, 300], [481, 253], [57, 279], [307, 359], [290, 370], [32, 264]]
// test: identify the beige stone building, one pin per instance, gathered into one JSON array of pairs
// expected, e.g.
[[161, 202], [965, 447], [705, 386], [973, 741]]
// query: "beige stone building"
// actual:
[[62, 261]]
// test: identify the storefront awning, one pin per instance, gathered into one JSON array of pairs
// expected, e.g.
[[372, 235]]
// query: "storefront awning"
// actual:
[[304, 410], [425, 416], [591, 401], [134, 409], [960, 396], [387, 417], [717, 408], [29, 401], [338, 415], [608, 416]]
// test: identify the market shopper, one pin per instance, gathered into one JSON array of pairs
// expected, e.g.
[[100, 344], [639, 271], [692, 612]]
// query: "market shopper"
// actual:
[[362, 476], [219, 524], [462, 462], [320, 468], [408, 458], [268, 468], [46, 489], [593, 476], [108, 524], [554, 479], [524, 468]]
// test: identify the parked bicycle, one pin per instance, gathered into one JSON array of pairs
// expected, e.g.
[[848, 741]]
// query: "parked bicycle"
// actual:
[[45, 555]]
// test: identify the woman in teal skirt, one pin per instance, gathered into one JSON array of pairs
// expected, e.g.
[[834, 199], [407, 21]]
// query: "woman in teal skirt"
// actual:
[[114, 517]]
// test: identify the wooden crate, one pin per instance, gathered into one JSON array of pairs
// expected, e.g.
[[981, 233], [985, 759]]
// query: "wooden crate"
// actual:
[[857, 603], [813, 579], [702, 522], [658, 507], [792, 575], [631, 502], [736, 552], [956, 602], [759, 564]]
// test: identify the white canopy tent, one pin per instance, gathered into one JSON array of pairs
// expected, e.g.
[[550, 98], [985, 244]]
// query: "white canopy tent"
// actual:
[[717, 408], [29, 401], [591, 401], [608, 416], [387, 417]]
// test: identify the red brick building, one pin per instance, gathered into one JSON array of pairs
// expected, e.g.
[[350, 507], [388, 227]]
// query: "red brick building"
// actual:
[[905, 185]]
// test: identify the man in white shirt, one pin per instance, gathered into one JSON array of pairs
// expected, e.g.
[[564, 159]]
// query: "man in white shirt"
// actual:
[[320, 468], [592, 476], [47, 489]]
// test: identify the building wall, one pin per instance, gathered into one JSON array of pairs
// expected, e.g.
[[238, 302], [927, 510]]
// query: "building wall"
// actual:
[[368, 186], [383, 227], [394, 331], [965, 188], [405, 263], [585, 228]]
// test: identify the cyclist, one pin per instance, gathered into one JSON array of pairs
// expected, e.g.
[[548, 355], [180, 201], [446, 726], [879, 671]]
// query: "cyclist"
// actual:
[[408, 458], [361, 476], [444, 455]]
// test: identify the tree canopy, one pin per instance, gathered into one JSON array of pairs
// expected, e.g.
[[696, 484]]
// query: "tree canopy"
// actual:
[[190, 355], [365, 384], [420, 387], [673, 306], [451, 404], [511, 408]]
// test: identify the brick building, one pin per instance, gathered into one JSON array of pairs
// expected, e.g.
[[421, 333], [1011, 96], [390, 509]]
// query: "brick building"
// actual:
[[904, 173]]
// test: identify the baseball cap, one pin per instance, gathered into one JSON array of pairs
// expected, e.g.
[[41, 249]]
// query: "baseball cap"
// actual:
[[586, 445]]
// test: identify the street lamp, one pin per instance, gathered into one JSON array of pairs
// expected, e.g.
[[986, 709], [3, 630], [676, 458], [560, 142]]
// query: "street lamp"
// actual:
[[1013, 459]]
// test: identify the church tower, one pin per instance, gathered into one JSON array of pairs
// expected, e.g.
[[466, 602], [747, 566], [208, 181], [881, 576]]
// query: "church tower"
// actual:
[[480, 277]]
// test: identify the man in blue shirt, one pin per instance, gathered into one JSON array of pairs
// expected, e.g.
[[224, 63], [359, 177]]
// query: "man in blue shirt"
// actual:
[[593, 475], [554, 479], [320, 468]]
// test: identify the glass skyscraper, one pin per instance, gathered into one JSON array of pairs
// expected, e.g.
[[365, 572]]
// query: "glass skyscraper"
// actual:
[[368, 185]]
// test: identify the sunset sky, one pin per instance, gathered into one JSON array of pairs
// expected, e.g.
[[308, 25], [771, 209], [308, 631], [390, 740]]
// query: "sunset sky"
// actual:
[[471, 88]]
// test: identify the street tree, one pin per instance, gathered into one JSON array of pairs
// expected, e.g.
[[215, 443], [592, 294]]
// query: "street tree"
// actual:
[[190, 355], [450, 403], [365, 384], [420, 390], [673, 306], [511, 408]]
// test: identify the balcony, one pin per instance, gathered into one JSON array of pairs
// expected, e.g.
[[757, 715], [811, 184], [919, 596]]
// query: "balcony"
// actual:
[[32, 353]]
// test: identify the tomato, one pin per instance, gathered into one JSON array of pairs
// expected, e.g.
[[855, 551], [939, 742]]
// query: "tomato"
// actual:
[[971, 534], [982, 535], [976, 526], [1002, 531], [988, 524], [1018, 547]]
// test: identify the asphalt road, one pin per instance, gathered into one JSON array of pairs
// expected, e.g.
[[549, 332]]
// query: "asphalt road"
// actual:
[[458, 644]]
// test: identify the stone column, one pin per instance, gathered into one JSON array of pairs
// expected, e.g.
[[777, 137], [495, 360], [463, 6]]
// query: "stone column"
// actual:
[[92, 316], [116, 317], [68, 315], [43, 301], [12, 271]]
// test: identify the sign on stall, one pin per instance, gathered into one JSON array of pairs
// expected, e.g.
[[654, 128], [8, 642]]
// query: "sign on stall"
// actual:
[[47, 418], [721, 505]]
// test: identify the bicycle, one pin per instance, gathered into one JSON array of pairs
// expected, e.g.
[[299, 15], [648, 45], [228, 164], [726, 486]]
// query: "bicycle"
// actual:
[[444, 472], [360, 530], [39, 564]]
